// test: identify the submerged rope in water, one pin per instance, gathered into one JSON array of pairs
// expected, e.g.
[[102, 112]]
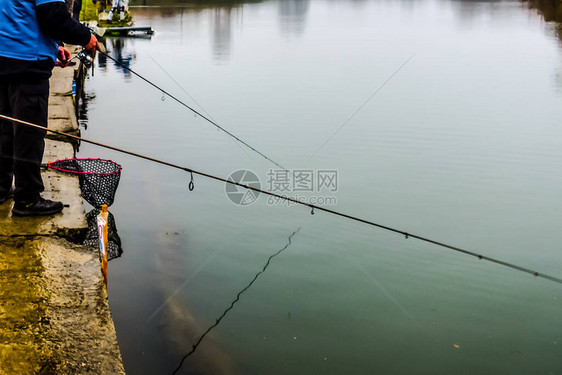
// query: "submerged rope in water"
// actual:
[[234, 302], [164, 92], [296, 201]]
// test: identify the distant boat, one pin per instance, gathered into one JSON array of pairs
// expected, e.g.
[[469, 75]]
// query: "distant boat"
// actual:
[[128, 30]]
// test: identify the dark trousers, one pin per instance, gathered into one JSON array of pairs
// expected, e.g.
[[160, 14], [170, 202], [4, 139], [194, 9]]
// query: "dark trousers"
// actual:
[[22, 147]]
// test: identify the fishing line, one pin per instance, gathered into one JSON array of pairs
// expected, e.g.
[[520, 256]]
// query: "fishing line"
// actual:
[[195, 101], [181, 88], [296, 201], [164, 92], [217, 322], [361, 106]]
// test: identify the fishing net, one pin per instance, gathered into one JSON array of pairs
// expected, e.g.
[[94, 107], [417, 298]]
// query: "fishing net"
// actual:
[[99, 178], [114, 249]]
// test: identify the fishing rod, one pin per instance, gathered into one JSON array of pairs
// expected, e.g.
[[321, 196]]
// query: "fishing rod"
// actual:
[[192, 109], [313, 207]]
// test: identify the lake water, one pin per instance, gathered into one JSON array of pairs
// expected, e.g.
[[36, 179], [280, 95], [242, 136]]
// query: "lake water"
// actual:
[[440, 118]]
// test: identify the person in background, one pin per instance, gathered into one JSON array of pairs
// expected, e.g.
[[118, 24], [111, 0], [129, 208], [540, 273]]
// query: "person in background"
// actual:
[[30, 33], [118, 6]]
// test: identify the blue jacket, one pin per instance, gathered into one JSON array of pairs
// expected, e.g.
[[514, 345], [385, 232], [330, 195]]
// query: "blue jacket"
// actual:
[[20, 35]]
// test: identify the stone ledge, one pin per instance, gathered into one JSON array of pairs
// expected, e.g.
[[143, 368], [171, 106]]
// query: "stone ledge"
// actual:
[[61, 81], [62, 118], [54, 314]]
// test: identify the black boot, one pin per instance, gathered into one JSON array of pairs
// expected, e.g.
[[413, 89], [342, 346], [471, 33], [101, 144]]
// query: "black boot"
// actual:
[[40, 207]]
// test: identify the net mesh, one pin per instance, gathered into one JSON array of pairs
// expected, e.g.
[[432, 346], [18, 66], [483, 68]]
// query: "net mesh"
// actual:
[[99, 178], [114, 249]]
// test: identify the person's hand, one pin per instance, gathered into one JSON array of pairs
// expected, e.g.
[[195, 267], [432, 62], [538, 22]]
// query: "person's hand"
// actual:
[[63, 56], [93, 45]]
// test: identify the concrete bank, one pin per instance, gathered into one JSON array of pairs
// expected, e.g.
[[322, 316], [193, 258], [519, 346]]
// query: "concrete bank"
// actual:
[[54, 312]]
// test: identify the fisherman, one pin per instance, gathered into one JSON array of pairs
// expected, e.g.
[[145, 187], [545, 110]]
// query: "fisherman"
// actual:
[[30, 33], [118, 6]]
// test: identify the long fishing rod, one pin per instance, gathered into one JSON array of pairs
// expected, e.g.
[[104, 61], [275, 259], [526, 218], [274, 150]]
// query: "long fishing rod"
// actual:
[[293, 200], [191, 109]]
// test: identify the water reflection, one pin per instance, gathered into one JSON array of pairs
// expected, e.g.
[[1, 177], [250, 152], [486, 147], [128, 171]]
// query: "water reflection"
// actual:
[[174, 319], [222, 30], [82, 98], [292, 16], [445, 121], [114, 249], [117, 48], [225, 16], [231, 306], [474, 13], [82, 107], [551, 10]]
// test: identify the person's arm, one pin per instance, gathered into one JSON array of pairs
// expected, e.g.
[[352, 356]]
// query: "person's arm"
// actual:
[[55, 21]]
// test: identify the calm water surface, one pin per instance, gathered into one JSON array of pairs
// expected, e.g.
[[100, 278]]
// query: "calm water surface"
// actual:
[[440, 117]]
